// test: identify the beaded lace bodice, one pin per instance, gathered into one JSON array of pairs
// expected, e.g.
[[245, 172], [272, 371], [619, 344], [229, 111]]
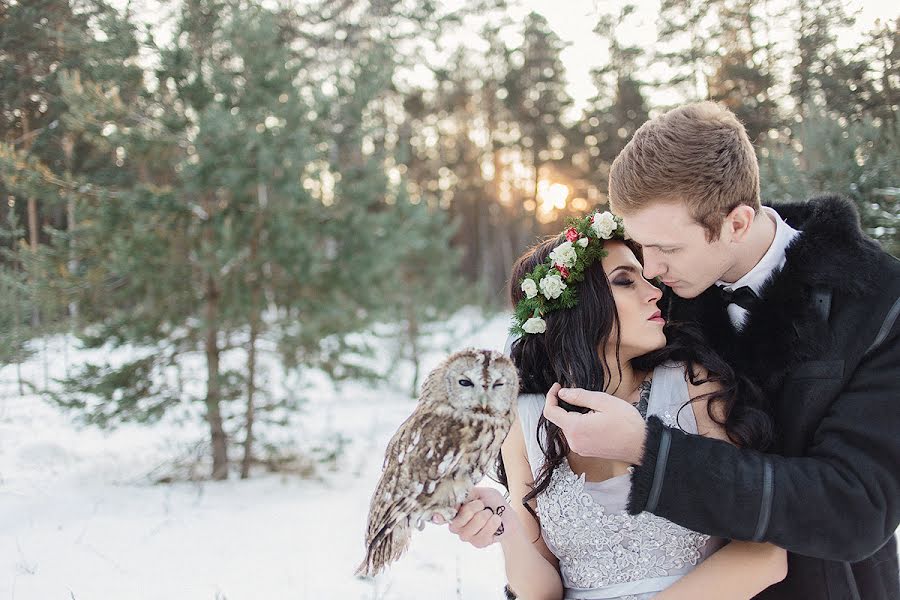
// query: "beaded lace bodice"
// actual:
[[585, 524], [597, 548]]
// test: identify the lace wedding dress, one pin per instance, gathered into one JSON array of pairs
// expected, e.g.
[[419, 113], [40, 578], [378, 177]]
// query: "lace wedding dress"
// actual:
[[603, 552]]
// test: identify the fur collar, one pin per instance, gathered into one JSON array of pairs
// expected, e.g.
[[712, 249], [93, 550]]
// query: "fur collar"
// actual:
[[832, 250], [783, 329]]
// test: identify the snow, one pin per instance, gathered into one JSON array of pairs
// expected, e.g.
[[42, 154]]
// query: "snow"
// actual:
[[81, 516]]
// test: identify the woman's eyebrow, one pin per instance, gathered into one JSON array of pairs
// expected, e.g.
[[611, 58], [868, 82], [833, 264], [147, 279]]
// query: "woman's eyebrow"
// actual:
[[628, 268]]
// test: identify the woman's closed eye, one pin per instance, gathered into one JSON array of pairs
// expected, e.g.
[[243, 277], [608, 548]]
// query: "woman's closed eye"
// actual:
[[623, 281]]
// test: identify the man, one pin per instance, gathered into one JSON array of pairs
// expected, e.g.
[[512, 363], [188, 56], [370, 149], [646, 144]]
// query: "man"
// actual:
[[805, 305]]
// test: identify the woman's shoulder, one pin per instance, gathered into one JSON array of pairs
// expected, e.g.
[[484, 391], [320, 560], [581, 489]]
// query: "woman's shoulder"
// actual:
[[701, 387], [671, 365], [529, 408], [530, 403], [696, 377], [671, 372]]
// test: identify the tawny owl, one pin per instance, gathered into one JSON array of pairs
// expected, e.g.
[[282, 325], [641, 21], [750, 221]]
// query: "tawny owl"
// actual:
[[441, 451]]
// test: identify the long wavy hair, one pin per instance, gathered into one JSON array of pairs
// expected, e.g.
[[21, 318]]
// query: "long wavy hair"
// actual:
[[568, 352]]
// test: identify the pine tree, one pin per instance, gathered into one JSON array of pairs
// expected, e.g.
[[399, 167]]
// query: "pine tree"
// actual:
[[428, 269], [685, 45], [723, 51], [881, 52], [538, 100], [44, 43], [265, 219], [831, 154], [619, 107], [743, 77], [818, 56], [15, 297]]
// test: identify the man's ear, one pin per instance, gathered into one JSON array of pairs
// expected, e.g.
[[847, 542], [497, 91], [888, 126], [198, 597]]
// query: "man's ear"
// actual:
[[738, 222]]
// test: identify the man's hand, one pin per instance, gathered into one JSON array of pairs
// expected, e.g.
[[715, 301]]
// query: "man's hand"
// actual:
[[614, 429]]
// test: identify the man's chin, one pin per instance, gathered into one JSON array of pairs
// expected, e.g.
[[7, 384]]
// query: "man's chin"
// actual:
[[686, 291]]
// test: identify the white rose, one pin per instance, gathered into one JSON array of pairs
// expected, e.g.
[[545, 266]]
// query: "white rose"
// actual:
[[535, 325], [552, 286], [583, 242], [530, 288], [564, 255], [604, 224]]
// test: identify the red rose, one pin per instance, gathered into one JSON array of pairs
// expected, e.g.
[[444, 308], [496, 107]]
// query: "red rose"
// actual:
[[562, 270], [571, 234]]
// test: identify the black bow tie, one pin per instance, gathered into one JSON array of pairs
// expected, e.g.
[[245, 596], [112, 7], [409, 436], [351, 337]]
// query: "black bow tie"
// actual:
[[744, 297]]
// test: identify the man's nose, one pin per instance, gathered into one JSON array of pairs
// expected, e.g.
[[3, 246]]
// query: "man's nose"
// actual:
[[652, 267]]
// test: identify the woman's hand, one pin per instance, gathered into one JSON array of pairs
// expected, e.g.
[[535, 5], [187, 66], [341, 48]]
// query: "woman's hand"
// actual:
[[480, 520]]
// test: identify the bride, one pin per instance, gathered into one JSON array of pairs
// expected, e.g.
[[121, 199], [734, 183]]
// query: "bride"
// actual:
[[587, 318]]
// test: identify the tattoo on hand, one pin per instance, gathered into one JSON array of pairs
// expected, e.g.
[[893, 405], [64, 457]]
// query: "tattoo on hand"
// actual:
[[499, 512]]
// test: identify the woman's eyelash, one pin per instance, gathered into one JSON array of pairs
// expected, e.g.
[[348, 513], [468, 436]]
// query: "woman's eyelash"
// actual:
[[624, 282]]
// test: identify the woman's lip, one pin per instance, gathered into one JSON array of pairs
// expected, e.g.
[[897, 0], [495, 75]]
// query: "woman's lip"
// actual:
[[657, 316]]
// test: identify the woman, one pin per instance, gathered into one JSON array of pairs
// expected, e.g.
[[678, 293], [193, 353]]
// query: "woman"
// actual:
[[587, 318]]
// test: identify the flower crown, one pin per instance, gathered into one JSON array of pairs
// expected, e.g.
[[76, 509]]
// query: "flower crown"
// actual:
[[550, 286]]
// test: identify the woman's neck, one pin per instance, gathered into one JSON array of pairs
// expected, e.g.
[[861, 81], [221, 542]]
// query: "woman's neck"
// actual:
[[625, 384]]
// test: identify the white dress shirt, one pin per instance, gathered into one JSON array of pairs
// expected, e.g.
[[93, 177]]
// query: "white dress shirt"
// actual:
[[773, 260]]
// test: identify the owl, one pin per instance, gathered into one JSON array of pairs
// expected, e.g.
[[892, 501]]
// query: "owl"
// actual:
[[441, 451]]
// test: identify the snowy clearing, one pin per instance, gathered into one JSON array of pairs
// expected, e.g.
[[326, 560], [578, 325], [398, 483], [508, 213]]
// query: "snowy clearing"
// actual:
[[80, 517]]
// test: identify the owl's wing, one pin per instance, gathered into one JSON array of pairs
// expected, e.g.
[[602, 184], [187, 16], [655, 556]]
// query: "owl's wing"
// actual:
[[424, 449]]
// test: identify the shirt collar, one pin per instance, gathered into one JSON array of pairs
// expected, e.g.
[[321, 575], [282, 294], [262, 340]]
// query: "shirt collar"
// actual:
[[773, 259]]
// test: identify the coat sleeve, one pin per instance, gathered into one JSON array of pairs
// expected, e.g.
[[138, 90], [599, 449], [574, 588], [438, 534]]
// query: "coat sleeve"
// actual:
[[841, 501]]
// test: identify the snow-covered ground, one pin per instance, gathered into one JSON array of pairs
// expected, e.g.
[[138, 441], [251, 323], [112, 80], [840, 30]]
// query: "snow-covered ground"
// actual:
[[80, 516], [82, 519]]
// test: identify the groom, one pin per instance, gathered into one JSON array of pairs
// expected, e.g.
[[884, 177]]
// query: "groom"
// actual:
[[802, 302]]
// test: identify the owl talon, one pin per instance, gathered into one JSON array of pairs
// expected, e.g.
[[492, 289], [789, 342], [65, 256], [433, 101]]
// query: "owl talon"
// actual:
[[448, 514]]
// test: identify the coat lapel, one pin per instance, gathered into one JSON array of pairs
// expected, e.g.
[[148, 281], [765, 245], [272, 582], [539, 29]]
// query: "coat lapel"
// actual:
[[781, 331]]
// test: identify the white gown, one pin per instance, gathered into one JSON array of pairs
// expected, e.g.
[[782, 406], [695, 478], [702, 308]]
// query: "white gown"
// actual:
[[603, 552]]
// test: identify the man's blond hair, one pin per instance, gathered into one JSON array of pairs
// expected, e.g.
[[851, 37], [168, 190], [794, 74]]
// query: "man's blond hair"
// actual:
[[698, 154]]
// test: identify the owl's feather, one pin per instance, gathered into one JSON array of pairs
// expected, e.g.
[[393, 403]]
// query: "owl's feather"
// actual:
[[439, 452]]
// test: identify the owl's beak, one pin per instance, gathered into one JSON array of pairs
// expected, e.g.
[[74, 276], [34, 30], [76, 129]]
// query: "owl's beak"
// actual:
[[484, 400]]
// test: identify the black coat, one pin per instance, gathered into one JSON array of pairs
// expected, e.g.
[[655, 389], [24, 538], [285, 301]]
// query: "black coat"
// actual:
[[831, 494]]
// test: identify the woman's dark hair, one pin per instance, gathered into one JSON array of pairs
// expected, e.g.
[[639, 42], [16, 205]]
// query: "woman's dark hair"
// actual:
[[567, 352]]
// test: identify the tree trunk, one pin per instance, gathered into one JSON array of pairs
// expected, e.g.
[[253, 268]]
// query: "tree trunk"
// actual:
[[503, 229], [251, 389], [413, 334], [68, 145], [33, 227], [535, 227], [17, 325], [255, 283], [214, 387], [213, 393], [888, 67], [19, 378]]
